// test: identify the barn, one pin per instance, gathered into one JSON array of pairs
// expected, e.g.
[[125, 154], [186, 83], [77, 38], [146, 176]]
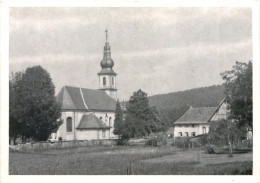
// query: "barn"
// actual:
[[196, 121]]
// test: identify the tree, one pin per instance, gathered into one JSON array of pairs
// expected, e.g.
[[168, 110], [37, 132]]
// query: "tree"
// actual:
[[141, 119], [155, 123], [238, 84], [118, 124], [33, 105], [14, 125], [225, 132]]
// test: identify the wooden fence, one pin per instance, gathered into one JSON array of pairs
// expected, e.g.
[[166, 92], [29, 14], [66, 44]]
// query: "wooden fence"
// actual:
[[39, 146]]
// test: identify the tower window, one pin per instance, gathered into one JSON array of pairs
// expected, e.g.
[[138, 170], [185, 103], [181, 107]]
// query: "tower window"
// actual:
[[104, 81], [113, 81]]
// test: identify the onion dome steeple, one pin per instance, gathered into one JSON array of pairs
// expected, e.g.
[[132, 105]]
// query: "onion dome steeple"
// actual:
[[107, 63], [107, 77]]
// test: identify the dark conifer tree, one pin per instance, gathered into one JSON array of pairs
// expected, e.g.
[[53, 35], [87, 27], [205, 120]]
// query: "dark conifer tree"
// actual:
[[118, 123]]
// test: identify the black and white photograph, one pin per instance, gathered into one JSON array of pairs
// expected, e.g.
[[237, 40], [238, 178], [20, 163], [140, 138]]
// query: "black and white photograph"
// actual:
[[131, 91]]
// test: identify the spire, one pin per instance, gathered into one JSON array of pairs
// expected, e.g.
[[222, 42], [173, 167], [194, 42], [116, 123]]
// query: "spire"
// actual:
[[106, 36], [107, 63]]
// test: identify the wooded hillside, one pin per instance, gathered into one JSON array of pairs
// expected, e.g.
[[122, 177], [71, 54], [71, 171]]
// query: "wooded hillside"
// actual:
[[174, 105]]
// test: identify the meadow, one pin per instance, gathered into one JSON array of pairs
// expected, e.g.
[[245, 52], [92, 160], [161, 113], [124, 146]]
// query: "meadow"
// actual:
[[122, 160]]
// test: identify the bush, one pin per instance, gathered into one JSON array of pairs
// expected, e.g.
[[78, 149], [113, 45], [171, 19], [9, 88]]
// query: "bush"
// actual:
[[203, 139], [121, 142], [156, 141], [210, 150], [181, 142], [60, 139]]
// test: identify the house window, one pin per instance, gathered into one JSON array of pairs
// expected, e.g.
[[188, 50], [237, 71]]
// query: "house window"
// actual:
[[104, 81], [193, 126], [180, 134], [103, 133], [187, 125], [69, 124], [193, 134], [204, 130], [186, 134]]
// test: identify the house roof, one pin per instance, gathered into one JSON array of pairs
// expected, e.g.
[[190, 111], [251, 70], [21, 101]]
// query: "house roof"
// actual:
[[91, 121], [75, 98], [196, 115]]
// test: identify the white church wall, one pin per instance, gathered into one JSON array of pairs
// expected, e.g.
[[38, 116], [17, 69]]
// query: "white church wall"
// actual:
[[106, 120], [62, 131], [92, 134], [85, 134]]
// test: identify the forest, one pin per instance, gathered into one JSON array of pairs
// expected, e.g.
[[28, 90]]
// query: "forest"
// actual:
[[173, 105]]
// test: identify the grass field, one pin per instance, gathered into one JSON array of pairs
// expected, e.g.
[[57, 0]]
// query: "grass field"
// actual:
[[121, 160]]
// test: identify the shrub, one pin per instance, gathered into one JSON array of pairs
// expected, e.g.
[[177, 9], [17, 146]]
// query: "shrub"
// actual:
[[181, 142], [156, 141], [210, 150], [203, 139], [60, 139], [121, 142]]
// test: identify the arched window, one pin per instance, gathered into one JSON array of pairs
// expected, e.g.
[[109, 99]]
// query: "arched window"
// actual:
[[69, 124], [104, 81], [110, 119]]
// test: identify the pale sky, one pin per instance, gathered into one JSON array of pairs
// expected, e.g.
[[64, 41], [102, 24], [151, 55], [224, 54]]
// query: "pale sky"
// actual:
[[158, 50]]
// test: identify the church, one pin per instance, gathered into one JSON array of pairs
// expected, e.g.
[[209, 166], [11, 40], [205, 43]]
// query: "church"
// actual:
[[88, 114]]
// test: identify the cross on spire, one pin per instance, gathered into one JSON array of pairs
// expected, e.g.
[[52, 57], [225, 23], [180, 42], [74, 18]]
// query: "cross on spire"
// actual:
[[106, 34]]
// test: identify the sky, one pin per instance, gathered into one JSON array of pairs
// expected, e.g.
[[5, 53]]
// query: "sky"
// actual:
[[158, 50]]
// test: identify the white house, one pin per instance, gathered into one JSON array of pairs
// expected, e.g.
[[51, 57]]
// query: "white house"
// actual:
[[196, 121], [88, 113]]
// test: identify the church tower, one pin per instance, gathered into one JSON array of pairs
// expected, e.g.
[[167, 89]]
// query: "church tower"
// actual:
[[107, 77]]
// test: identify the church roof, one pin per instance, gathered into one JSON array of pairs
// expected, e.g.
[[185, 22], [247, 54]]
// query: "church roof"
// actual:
[[197, 115], [74, 98], [91, 121], [105, 71]]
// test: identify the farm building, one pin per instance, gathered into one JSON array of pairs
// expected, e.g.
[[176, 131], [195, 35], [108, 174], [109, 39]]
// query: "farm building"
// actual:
[[196, 121], [89, 114]]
